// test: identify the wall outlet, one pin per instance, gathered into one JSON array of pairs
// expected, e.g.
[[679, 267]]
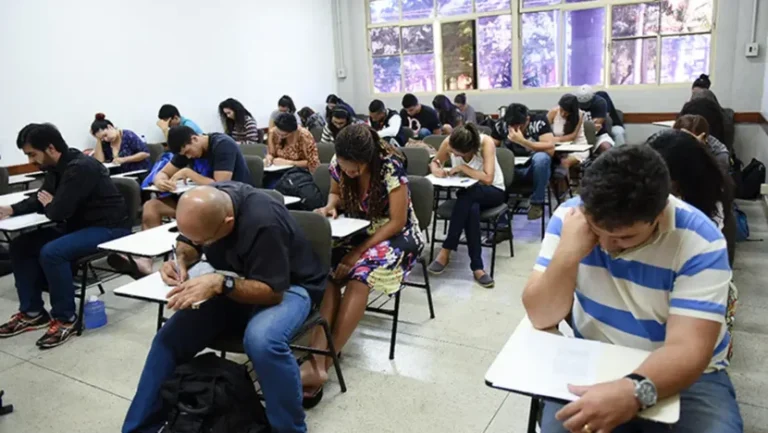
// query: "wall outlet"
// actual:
[[753, 49], [341, 73]]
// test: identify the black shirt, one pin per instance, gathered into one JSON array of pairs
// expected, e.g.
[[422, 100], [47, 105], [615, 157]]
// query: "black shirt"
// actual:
[[223, 155], [596, 108], [83, 195], [426, 118], [538, 126], [267, 244]]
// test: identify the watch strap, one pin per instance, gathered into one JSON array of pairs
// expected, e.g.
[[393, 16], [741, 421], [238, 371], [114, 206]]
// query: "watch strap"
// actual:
[[636, 377]]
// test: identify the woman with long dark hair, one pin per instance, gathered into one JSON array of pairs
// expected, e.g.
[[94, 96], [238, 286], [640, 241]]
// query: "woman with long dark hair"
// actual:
[[449, 114], [284, 105], [567, 122], [120, 146], [310, 119], [340, 119], [712, 112], [238, 122], [368, 181], [332, 102], [699, 128]]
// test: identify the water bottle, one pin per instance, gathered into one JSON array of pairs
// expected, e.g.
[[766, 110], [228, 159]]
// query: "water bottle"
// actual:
[[95, 315]]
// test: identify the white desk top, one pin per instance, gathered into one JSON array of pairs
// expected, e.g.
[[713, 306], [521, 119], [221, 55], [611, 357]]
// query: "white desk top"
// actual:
[[342, 226], [130, 173], [451, 182], [154, 242], [542, 364], [666, 123], [522, 160], [20, 179], [13, 198], [21, 222], [152, 288], [111, 165], [289, 200], [573, 147], [181, 188], [273, 167]]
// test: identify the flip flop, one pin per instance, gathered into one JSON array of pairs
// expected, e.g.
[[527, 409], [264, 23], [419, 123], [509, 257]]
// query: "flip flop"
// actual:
[[125, 266], [313, 399]]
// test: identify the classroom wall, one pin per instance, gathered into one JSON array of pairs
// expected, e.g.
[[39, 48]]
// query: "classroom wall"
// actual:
[[738, 81], [63, 61]]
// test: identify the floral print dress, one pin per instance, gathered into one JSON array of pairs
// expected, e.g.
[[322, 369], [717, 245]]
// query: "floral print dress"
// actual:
[[384, 266]]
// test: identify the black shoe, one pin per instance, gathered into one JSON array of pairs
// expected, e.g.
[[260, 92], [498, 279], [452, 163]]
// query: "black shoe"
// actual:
[[501, 235], [58, 333], [21, 323]]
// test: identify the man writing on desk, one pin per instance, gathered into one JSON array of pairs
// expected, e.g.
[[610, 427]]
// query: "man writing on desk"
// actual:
[[244, 231], [639, 268]]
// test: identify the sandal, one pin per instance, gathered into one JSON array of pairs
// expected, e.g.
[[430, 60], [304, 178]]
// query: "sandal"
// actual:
[[311, 400]]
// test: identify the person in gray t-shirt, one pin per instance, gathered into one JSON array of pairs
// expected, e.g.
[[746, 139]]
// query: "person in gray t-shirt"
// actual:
[[284, 105], [467, 112]]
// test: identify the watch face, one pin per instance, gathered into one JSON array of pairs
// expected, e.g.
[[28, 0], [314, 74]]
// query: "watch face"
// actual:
[[229, 282], [646, 393]]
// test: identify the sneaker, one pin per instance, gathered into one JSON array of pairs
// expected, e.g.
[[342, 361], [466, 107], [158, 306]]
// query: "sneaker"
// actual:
[[535, 212], [21, 323], [58, 333]]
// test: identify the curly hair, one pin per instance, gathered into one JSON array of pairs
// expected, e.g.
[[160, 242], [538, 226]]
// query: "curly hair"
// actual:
[[624, 186], [361, 144]]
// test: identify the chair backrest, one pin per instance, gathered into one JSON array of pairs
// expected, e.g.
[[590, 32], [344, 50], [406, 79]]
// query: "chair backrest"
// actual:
[[409, 134], [4, 187], [317, 229], [322, 179], [256, 167], [317, 132], [435, 140], [506, 160], [484, 129], [274, 194], [620, 115], [155, 151], [590, 132], [418, 160], [422, 196], [254, 149], [362, 117], [131, 192], [325, 151]]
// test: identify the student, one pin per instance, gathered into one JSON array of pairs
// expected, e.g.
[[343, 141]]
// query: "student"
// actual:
[[240, 230], [472, 155], [637, 267], [289, 144], [699, 128], [449, 114], [225, 160], [132, 153], [310, 119], [79, 196], [422, 120], [617, 129], [596, 110], [567, 122], [367, 181], [713, 114], [284, 105], [340, 119], [467, 112], [532, 136], [701, 83], [387, 123], [169, 117], [238, 122], [332, 102]]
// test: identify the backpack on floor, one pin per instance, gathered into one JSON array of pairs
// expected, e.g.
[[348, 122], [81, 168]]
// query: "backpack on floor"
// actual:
[[212, 395], [298, 182], [752, 177]]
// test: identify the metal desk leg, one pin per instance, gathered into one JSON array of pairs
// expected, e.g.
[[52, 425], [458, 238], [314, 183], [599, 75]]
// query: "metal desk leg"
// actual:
[[160, 311], [533, 415]]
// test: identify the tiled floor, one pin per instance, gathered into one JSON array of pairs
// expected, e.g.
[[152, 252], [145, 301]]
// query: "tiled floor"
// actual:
[[435, 384]]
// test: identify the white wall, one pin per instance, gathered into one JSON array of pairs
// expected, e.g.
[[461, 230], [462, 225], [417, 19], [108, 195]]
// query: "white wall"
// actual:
[[765, 81], [63, 61], [738, 81]]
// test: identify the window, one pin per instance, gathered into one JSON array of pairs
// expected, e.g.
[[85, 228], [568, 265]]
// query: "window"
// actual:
[[446, 45]]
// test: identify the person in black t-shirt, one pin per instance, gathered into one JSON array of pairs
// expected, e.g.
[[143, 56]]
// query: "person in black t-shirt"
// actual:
[[422, 120], [532, 136], [267, 279]]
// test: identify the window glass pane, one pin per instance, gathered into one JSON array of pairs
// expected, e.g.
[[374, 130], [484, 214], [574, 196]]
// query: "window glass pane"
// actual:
[[539, 49], [683, 58], [635, 20], [419, 73], [418, 9], [680, 16], [537, 3], [494, 52], [384, 11], [585, 46], [386, 74], [491, 5], [459, 55], [578, 1], [633, 61], [418, 39], [453, 7], [385, 41]]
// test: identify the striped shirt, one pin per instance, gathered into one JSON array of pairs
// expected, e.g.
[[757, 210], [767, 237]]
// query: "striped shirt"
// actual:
[[247, 133], [626, 299]]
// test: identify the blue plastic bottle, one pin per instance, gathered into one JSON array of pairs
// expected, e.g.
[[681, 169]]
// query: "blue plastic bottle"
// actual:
[[95, 315]]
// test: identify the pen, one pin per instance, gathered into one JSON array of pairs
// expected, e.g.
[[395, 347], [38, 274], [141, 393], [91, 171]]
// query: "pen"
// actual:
[[175, 260]]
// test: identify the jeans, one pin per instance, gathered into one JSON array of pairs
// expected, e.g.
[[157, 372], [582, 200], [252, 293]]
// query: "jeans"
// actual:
[[466, 217], [619, 135], [44, 258], [538, 171], [708, 406], [268, 331], [423, 132]]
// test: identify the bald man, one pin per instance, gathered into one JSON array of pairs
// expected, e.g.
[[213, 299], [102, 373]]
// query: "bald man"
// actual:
[[243, 231]]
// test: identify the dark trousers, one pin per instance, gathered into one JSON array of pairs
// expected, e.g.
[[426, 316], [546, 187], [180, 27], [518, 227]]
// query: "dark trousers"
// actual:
[[466, 216], [44, 258]]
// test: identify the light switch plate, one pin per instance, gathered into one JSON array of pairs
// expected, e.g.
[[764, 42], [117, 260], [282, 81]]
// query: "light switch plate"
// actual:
[[753, 49]]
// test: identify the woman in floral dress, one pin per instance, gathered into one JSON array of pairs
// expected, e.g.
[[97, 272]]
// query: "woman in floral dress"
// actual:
[[368, 181]]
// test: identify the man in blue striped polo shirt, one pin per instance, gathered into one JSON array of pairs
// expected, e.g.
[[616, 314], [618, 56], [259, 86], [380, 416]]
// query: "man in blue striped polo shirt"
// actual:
[[640, 268]]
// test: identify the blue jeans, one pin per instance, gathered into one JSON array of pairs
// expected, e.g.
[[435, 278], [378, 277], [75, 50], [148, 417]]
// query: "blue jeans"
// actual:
[[44, 258], [423, 132], [708, 406], [619, 135], [538, 171], [466, 217], [268, 332]]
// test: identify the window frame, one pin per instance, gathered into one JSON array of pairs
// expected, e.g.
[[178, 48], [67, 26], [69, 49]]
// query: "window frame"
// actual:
[[516, 10]]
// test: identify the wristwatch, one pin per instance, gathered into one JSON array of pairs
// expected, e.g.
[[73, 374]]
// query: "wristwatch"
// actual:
[[229, 285], [645, 391]]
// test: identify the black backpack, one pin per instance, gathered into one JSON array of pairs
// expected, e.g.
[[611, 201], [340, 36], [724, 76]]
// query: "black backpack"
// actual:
[[752, 177], [212, 395], [298, 182]]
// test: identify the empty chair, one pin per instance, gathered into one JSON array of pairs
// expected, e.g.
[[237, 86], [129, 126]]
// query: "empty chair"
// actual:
[[156, 150], [256, 167], [417, 161], [131, 192], [590, 132], [4, 187], [317, 133], [274, 194], [322, 177], [325, 152], [255, 149], [435, 140]]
